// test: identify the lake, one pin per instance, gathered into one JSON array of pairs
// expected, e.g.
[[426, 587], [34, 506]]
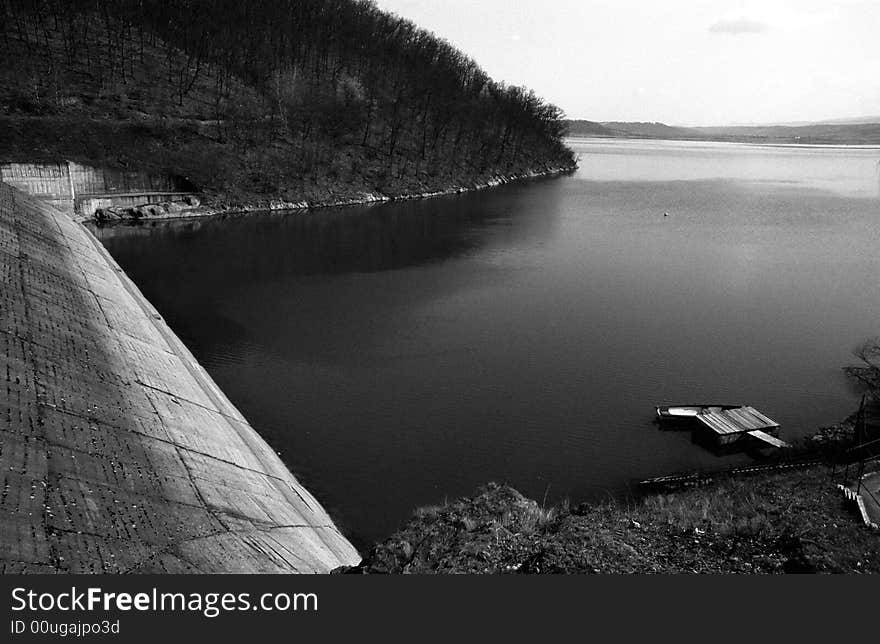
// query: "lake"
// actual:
[[402, 354]]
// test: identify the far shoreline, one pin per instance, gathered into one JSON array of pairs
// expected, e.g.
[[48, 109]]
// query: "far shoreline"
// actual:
[[764, 144]]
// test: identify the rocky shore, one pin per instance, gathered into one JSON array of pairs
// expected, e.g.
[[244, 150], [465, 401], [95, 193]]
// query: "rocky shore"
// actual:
[[194, 208]]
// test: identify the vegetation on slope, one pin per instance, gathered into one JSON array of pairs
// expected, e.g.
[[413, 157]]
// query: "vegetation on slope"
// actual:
[[792, 522], [293, 100]]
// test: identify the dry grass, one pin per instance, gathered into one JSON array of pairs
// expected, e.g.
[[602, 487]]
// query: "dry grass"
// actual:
[[787, 522], [738, 510]]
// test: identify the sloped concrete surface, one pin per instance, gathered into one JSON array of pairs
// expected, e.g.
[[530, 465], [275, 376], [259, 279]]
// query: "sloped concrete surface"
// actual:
[[118, 453], [870, 493]]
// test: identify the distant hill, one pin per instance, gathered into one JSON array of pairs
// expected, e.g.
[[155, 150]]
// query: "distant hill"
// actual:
[[630, 130], [854, 120], [844, 132], [817, 133], [587, 128], [651, 130]]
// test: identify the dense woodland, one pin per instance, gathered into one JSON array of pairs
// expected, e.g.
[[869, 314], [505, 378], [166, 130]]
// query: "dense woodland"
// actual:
[[283, 98]]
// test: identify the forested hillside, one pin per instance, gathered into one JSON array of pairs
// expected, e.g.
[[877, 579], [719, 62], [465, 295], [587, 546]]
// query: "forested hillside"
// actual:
[[288, 99]]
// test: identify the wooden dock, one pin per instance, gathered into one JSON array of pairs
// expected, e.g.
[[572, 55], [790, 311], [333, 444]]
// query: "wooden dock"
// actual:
[[727, 426]]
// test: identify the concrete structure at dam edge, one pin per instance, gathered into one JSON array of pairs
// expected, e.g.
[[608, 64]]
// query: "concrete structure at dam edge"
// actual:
[[118, 452]]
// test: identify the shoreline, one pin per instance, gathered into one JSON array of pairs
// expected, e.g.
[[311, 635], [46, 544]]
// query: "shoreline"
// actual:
[[790, 515], [763, 144], [200, 212]]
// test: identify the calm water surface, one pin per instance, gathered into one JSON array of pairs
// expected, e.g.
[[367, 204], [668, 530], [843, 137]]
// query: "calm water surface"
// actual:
[[401, 354]]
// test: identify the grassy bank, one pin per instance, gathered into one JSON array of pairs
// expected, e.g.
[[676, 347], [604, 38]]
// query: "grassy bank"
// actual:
[[786, 522]]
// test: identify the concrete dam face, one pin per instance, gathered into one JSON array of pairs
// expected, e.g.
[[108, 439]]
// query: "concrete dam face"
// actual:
[[118, 453]]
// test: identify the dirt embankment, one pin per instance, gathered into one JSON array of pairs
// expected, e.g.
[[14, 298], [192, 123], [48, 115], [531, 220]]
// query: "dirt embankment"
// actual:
[[775, 523]]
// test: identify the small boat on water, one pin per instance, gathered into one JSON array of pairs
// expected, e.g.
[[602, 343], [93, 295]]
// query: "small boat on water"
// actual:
[[686, 412]]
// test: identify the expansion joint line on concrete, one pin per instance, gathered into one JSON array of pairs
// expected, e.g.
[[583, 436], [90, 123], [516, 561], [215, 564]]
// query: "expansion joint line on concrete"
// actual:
[[196, 371]]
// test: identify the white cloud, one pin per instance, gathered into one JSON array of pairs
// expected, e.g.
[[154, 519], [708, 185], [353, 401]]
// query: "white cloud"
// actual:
[[775, 15], [737, 26]]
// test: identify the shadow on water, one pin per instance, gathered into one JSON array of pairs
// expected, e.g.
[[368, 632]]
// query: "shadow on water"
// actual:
[[271, 245], [195, 260]]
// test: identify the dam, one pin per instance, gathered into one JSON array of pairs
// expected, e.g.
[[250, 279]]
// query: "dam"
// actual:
[[118, 452], [79, 190]]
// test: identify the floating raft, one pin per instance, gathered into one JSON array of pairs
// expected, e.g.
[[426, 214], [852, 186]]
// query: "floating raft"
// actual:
[[726, 426]]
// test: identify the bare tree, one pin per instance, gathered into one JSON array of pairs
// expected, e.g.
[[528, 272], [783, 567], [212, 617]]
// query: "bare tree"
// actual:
[[868, 371]]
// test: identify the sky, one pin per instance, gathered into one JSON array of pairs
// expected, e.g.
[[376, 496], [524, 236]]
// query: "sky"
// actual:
[[682, 62]]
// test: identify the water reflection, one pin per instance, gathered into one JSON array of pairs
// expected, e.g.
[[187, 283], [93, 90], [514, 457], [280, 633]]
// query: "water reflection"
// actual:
[[268, 246]]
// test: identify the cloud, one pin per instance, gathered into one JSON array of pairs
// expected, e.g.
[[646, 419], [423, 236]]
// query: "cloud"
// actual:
[[738, 26]]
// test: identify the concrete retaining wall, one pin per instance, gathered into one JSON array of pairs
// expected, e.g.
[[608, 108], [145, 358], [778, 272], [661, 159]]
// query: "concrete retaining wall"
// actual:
[[87, 206], [118, 453], [48, 181], [75, 188]]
